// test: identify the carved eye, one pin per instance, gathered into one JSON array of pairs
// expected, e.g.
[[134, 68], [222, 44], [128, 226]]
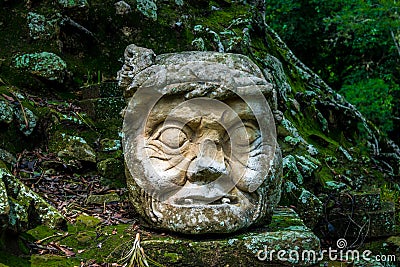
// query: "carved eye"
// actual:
[[173, 137], [243, 136], [252, 134]]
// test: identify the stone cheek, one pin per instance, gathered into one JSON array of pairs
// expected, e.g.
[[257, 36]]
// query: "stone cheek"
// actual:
[[201, 155]]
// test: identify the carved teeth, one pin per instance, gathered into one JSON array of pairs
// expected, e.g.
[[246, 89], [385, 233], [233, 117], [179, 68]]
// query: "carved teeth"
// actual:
[[225, 200]]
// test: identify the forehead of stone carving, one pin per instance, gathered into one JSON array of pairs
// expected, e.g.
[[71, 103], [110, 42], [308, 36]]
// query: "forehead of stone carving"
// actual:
[[209, 112]]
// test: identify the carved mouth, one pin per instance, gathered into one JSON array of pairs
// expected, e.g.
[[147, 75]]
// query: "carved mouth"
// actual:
[[229, 199]]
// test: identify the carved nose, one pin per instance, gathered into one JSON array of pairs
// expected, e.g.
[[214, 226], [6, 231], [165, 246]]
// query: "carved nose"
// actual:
[[209, 164]]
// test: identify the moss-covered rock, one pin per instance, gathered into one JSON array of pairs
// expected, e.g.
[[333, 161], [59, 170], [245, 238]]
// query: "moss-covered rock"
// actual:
[[6, 112], [73, 3], [26, 120], [111, 169], [102, 199], [22, 209], [72, 148], [40, 27], [45, 65]]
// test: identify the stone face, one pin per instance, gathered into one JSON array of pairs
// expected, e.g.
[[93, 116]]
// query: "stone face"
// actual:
[[46, 65], [199, 141]]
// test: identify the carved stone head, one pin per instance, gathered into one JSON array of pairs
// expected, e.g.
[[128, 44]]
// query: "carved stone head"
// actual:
[[199, 141]]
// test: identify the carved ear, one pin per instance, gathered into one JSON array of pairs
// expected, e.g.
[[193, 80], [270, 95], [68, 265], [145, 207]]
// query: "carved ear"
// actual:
[[136, 59]]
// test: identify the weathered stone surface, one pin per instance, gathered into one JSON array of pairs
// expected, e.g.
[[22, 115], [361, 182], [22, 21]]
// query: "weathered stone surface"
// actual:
[[22, 209], [111, 168], [136, 59], [200, 143], [309, 207], [73, 3], [122, 8], [286, 232], [101, 199], [72, 148], [40, 27], [46, 65], [362, 201], [6, 111], [26, 120]]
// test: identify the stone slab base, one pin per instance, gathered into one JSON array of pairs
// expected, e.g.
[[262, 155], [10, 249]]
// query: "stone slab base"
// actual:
[[259, 247]]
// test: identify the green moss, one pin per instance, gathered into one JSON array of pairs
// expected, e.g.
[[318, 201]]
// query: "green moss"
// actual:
[[53, 261], [87, 221], [172, 257], [9, 260]]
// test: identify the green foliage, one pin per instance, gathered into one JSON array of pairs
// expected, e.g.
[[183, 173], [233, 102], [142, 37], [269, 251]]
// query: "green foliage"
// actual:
[[353, 45], [372, 97]]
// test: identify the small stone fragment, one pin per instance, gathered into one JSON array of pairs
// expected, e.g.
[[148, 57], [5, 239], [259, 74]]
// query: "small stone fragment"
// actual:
[[122, 8]]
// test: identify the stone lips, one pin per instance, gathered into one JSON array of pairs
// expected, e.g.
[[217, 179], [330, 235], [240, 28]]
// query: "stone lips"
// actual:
[[173, 190]]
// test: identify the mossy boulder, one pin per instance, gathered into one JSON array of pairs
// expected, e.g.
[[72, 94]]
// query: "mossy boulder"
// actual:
[[70, 148], [22, 209], [111, 169], [40, 27], [45, 65], [73, 3]]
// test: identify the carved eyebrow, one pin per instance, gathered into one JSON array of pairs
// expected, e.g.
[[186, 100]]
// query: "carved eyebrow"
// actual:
[[247, 123], [170, 124]]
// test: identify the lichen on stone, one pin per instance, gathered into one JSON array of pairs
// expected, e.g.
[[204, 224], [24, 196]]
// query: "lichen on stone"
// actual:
[[147, 8], [335, 186], [346, 153], [40, 27], [46, 65], [108, 145], [26, 208], [26, 120], [6, 112], [289, 163], [73, 3], [71, 147]]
